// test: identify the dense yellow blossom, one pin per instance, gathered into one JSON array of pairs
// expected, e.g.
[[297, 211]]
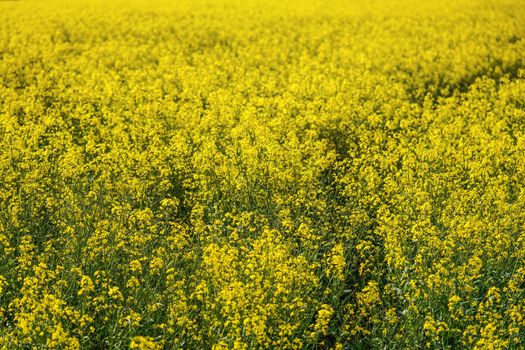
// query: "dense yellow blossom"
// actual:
[[249, 174]]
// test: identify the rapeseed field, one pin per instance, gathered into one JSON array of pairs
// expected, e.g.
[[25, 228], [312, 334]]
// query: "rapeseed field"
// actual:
[[262, 174]]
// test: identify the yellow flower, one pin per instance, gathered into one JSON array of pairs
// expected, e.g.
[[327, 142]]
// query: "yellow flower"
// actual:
[[86, 285], [135, 266], [337, 262], [324, 316], [144, 343], [155, 265]]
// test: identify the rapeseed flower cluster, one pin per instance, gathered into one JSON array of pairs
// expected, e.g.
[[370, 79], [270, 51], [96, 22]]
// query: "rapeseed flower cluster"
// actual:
[[227, 174]]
